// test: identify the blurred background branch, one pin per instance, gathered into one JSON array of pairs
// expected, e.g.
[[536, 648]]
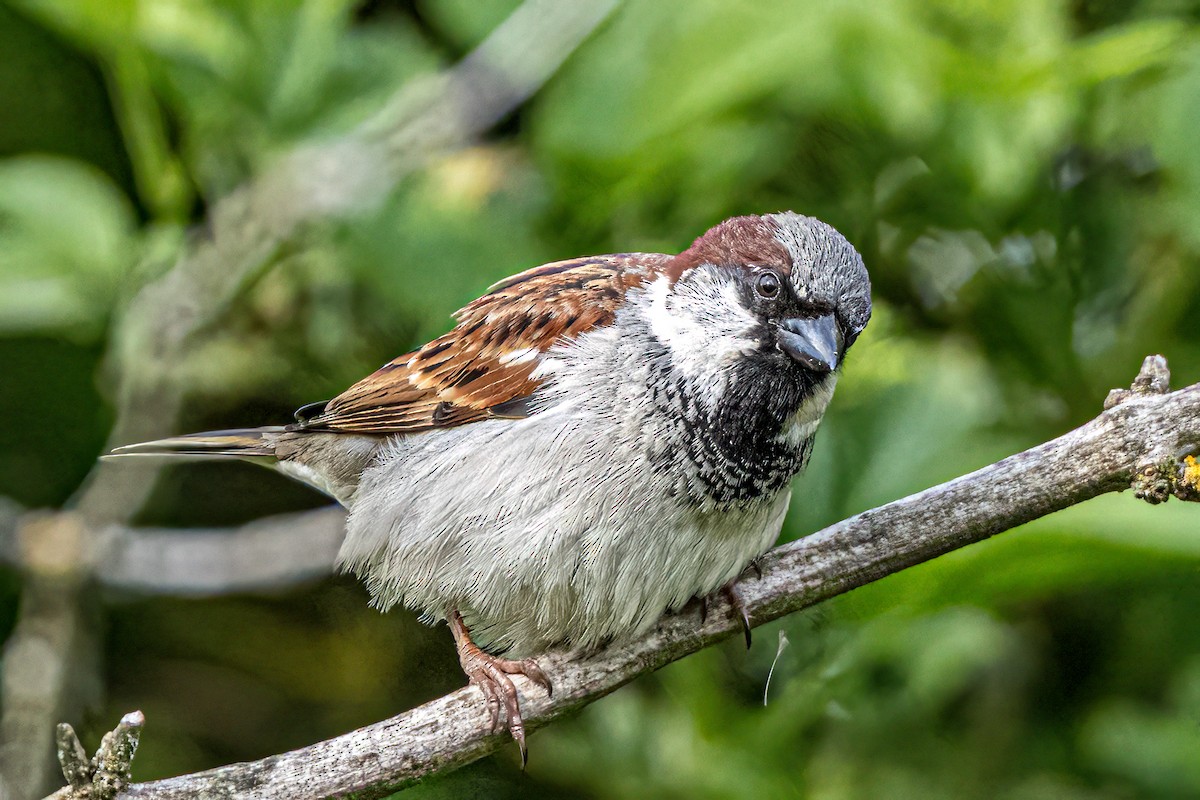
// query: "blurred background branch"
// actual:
[[262, 555], [266, 554], [1151, 427]]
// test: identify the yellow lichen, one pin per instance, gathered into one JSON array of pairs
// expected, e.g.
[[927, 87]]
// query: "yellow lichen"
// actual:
[[1189, 476]]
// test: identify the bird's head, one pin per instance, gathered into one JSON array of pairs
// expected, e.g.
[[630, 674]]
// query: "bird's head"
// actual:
[[782, 292]]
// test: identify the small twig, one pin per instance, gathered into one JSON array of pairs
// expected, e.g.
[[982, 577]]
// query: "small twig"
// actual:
[[1178, 475], [76, 766], [1153, 378], [107, 773], [113, 759], [1102, 456]]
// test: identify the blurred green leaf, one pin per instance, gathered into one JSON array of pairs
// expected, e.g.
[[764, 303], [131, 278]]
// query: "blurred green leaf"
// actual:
[[67, 238], [467, 22], [1153, 748]]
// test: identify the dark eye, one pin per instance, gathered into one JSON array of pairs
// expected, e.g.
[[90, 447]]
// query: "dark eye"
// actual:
[[768, 285]]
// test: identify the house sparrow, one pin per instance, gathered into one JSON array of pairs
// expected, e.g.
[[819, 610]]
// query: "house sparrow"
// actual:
[[596, 441]]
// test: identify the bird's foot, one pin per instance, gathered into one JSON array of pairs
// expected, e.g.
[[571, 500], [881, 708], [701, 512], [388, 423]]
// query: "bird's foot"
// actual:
[[734, 597], [491, 674], [731, 594]]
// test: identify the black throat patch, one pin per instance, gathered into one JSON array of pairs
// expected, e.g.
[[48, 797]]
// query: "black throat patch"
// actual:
[[732, 455]]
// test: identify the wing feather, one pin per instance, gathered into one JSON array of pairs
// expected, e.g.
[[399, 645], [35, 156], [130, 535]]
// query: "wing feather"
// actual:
[[483, 367]]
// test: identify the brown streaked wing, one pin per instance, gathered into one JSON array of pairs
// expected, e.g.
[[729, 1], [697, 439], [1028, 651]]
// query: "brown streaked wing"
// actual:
[[487, 359]]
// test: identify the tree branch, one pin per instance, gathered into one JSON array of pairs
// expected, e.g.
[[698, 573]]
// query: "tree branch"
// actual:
[[1145, 432]]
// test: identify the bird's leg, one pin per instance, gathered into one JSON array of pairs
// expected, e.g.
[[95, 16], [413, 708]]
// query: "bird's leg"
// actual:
[[490, 673], [730, 592]]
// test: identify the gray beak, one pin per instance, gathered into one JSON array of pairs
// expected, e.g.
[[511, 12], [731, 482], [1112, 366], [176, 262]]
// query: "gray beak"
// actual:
[[811, 342]]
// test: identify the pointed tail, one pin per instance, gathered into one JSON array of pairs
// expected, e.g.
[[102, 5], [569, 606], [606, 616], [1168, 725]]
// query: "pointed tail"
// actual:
[[242, 443]]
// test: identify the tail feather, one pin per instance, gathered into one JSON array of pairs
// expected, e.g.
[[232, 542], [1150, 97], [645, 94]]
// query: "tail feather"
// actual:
[[241, 443]]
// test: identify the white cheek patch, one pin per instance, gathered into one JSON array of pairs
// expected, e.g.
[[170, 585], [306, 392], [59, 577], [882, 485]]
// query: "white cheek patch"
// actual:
[[703, 322], [803, 424]]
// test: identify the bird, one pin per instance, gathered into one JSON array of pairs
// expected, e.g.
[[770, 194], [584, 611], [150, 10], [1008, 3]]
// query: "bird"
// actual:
[[595, 442]]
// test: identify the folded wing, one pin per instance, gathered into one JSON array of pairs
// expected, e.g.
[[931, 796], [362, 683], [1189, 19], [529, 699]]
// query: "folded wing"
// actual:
[[483, 367]]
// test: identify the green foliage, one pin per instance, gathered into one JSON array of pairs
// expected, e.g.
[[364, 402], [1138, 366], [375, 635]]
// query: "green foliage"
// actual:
[[1021, 176], [66, 240]]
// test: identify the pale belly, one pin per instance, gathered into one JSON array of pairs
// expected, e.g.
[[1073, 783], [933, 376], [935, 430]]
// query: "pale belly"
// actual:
[[542, 533]]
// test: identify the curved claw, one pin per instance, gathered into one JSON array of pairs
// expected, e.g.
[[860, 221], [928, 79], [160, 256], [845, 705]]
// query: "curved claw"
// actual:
[[756, 565], [491, 674], [530, 669]]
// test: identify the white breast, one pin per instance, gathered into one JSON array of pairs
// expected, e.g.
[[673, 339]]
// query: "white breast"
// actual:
[[566, 526]]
